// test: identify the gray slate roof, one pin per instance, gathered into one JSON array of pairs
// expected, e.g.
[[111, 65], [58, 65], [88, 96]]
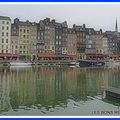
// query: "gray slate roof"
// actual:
[[4, 18]]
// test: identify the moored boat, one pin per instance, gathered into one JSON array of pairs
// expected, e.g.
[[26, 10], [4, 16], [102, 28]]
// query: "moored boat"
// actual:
[[75, 64], [72, 63], [89, 63], [20, 63]]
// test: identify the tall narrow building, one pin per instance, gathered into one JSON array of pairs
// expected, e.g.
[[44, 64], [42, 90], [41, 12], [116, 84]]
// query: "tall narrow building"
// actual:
[[5, 34], [24, 37], [116, 27]]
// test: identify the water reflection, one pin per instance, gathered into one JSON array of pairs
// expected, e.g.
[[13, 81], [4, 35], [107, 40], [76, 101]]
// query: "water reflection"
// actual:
[[50, 87]]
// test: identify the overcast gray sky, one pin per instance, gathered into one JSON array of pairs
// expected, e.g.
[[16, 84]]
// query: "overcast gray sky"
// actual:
[[97, 16]]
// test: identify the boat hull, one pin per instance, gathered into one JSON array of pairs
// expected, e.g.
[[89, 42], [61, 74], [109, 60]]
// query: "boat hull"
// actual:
[[20, 64], [89, 63]]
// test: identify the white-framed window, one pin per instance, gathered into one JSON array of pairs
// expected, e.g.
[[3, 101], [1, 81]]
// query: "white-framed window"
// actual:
[[90, 41], [7, 28], [2, 27], [41, 33], [7, 22], [89, 46], [59, 42], [56, 42], [3, 22], [6, 40], [57, 37]]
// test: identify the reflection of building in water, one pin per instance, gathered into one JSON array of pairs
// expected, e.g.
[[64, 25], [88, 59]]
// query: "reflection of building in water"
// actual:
[[23, 87], [45, 86], [94, 77], [112, 92], [4, 90], [69, 77], [114, 78], [50, 86], [54, 85]]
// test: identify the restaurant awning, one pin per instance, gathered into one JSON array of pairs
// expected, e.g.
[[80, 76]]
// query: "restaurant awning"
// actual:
[[96, 55], [70, 56], [7, 55], [46, 55]]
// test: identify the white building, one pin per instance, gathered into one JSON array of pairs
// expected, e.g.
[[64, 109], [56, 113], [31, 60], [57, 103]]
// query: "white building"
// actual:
[[5, 34]]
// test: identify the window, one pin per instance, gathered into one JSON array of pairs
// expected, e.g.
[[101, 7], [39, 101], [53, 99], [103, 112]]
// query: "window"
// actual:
[[3, 22], [59, 42], [2, 40], [52, 48], [20, 46], [23, 51], [23, 36], [6, 40], [24, 30], [7, 34], [41, 38], [45, 47], [90, 41], [7, 28], [100, 51], [20, 30], [7, 22], [2, 27], [41, 33], [6, 51], [16, 46], [56, 42], [59, 37], [2, 51], [27, 36], [27, 31], [2, 46], [6, 46], [56, 37], [15, 51], [24, 46], [2, 33], [89, 46]]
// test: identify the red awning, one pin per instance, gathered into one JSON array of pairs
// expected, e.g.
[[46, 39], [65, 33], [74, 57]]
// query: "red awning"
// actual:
[[7, 55], [70, 56], [46, 55], [96, 54]]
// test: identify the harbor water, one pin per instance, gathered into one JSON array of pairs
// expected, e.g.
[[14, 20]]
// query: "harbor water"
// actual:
[[63, 91]]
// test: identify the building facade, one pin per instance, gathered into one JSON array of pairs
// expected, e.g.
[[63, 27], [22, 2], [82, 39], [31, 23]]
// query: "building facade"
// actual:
[[5, 34], [25, 36], [72, 44], [46, 39], [96, 45], [81, 39], [52, 39]]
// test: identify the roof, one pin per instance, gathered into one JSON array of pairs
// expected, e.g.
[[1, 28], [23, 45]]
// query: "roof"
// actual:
[[4, 18]]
